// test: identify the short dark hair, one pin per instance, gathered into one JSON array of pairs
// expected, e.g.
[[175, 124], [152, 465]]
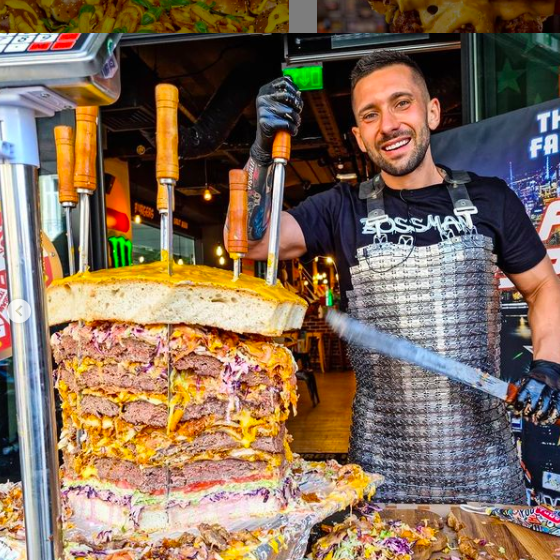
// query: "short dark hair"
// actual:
[[382, 58]]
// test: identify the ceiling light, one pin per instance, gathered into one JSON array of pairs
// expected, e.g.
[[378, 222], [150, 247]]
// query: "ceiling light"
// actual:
[[207, 193], [346, 176]]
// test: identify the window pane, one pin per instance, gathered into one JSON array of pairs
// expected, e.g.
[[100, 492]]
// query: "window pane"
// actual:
[[517, 70], [146, 245]]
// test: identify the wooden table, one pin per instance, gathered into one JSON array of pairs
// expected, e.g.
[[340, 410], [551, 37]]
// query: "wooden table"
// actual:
[[518, 542]]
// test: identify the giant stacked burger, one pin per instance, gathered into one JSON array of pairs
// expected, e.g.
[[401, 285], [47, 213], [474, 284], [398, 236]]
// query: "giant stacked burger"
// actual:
[[174, 402], [174, 408]]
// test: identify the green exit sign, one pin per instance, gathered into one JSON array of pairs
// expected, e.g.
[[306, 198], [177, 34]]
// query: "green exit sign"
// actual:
[[306, 77]]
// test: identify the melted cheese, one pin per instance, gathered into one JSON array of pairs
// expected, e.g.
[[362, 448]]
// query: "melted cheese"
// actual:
[[123, 397], [151, 446], [140, 448], [451, 15], [193, 275], [113, 437]]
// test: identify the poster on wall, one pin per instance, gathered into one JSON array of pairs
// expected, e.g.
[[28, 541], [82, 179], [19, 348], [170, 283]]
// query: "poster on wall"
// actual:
[[521, 147]]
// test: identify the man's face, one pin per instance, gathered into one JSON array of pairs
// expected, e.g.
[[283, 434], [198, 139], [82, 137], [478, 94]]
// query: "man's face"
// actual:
[[394, 119]]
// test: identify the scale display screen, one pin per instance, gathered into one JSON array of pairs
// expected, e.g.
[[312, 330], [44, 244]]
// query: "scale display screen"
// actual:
[[19, 43]]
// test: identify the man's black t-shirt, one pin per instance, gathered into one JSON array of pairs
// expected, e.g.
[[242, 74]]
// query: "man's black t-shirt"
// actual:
[[332, 226]]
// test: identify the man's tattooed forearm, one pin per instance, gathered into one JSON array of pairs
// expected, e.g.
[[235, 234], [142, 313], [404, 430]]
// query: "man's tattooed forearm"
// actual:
[[259, 199]]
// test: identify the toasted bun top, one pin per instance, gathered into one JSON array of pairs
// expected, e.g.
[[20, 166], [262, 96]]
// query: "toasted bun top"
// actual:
[[199, 275], [193, 294]]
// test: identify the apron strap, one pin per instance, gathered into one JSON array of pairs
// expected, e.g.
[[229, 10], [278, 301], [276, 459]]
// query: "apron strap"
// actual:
[[462, 204], [372, 191]]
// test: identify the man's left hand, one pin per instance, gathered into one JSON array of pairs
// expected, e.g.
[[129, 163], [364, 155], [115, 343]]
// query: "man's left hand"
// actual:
[[538, 398]]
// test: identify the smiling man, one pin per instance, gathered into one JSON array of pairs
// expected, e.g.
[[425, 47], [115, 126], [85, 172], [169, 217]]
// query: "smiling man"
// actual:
[[417, 248]]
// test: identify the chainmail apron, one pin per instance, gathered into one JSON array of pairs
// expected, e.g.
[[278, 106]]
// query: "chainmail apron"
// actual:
[[434, 440]]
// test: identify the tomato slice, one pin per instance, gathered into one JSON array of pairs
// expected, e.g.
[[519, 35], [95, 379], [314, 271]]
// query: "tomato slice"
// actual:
[[199, 486]]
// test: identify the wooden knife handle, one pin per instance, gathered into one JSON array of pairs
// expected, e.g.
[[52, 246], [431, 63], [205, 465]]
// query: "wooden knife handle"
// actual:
[[64, 141], [167, 135], [282, 145], [237, 233], [162, 198], [85, 175]]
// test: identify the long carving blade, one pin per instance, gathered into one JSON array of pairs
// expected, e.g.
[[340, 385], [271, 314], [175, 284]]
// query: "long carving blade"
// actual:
[[369, 337]]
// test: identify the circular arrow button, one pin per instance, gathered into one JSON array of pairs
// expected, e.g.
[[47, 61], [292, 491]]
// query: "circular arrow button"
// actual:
[[19, 311]]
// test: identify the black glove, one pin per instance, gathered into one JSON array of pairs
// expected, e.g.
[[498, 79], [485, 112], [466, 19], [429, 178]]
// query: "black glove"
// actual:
[[279, 105], [539, 393]]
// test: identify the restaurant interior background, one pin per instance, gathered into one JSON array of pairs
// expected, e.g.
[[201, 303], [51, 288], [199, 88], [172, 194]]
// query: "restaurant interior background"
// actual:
[[475, 77]]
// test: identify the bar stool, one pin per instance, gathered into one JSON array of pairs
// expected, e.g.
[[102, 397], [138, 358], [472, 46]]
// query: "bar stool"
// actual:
[[318, 337]]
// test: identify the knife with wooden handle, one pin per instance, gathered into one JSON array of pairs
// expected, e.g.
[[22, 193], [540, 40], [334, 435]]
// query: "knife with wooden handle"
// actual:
[[67, 195], [85, 173], [238, 242], [167, 163], [280, 156]]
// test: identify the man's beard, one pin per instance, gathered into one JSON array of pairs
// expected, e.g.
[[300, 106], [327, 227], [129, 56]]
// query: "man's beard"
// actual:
[[398, 169]]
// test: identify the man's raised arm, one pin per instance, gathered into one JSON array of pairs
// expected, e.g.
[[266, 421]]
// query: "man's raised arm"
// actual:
[[279, 105]]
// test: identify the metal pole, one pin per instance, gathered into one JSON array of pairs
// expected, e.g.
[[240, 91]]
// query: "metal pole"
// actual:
[[98, 241], [32, 360]]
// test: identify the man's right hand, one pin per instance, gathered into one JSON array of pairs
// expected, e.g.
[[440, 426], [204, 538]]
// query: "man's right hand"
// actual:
[[538, 398], [279, 105]]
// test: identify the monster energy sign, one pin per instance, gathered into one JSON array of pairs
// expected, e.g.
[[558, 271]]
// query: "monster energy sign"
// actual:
[[122, 251]]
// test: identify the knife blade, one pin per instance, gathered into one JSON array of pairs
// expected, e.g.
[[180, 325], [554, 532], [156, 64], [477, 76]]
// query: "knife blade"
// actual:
[[366, 336]]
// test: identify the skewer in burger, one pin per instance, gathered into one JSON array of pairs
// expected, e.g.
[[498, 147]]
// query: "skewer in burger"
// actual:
[[464, 16]]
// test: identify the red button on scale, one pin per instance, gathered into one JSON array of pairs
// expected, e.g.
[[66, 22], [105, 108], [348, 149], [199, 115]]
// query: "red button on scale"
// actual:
[[39, 47], [65, 41], [63, 45]]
